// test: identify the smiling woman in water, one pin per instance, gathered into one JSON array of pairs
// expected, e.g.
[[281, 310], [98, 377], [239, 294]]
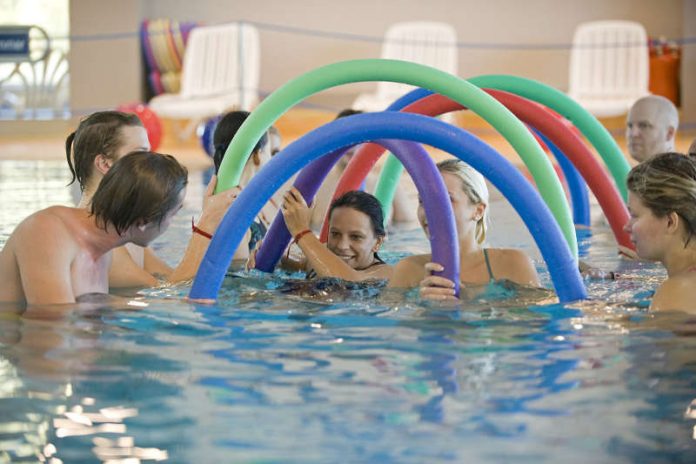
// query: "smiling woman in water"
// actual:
[[356, 233]]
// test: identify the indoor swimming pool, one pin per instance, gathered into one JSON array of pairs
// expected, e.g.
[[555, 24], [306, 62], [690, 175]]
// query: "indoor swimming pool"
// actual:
[[343, 374]]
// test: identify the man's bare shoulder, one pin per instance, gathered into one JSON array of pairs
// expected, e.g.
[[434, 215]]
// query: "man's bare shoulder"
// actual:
[[47, 225]]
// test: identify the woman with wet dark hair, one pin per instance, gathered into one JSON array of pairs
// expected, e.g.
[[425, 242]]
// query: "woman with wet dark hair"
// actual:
[[356, 233], [225, 131], [100, 140]]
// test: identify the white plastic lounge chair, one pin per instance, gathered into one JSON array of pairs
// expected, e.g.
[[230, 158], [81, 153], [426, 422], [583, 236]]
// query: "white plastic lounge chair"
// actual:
[[429, 43], [220, 72], [609, 66]]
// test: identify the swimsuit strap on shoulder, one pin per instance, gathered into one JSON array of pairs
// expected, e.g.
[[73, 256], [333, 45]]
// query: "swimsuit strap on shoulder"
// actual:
[[488, 265]]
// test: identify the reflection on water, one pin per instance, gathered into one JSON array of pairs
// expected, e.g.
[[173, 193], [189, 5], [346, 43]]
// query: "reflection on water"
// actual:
[[348, 376]]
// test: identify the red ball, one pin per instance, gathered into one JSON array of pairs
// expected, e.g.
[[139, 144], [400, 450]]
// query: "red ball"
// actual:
[[150, 120]]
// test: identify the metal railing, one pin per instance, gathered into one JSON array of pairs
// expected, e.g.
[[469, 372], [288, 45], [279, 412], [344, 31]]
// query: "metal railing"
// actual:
[[34, 81]]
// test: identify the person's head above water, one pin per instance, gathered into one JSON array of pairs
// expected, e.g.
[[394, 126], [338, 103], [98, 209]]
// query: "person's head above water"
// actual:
[[651, 127], [274, 140], [100, 139], [459, 177], [149, 186], [662, 189], [225, 131], [348, 112], [356, 228], [662, 224], [348, 155]]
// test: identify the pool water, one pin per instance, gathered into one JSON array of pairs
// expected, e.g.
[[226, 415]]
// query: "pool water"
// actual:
[[347, 376]]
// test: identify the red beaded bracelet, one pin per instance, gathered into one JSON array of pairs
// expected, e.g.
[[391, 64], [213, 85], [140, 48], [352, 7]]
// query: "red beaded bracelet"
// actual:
[[299, 235], [296, 239], [199, 231]]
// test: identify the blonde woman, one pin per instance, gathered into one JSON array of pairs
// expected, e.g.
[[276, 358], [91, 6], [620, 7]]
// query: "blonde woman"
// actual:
[[479, 265]]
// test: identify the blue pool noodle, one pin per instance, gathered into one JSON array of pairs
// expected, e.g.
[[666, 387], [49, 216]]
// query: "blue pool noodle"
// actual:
[[579, 196], [393, 125]]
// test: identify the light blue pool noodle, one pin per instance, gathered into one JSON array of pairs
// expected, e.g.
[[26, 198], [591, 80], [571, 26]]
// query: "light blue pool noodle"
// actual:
[[367, 127]]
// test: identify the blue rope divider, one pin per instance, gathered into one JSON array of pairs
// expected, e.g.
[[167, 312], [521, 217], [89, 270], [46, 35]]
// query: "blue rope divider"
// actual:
[[688, 125], [374, 39]]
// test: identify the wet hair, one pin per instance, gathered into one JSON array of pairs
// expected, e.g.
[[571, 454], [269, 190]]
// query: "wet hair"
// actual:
[[273, 132], [98, 133], [474, 186], [225, 131], [345, 159], [146, 186], [348, 112], [692, 148], [666, 183], [366, 204]]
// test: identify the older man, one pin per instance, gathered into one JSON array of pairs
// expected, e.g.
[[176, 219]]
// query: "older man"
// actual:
[[651, 127]]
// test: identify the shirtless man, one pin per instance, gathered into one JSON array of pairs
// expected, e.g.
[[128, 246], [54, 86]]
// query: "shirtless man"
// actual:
[[58, 254], [651, 127], [100, 140]]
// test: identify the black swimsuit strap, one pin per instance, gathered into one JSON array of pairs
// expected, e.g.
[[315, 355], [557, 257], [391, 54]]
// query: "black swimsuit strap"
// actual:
[[488, 265], [378, 262]]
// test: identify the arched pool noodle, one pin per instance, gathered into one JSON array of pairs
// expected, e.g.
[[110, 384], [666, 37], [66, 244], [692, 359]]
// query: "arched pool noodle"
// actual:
[[312, 176], [329, 138], [357, 172], [308, 182], [600, 138], [580, 202], [580, 199], [408, 73], [385, 189], [531, 113], [523, 197], [590, 127]]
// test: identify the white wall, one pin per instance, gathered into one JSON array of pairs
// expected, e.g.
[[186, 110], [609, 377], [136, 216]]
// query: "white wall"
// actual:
[[104, 73], [286, 55]]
